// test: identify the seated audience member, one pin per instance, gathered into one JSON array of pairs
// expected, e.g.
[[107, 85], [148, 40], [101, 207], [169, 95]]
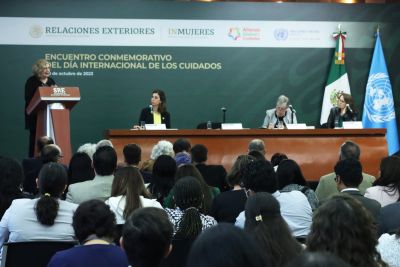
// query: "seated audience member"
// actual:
[[386, 188], [186, 219], [103, 142], [279, 116], [132, 157], [11, 176], [94, 227], [128, 193], [389, 248], [209, 192], [43, 218], [181, 145], [183, 158], [259, 176], [256, 145], [80, 168], [291, 178], [317, 259], [228, 246], [266, 225], [227, 205], [88, 148], [49, 153], [147, 237], [327, 185], [342, 226], [214, 175], [104, 163], [343, 111], [389, 221], [32, 166], [348, 178], [161, 148], [276, 159], [163, 177]]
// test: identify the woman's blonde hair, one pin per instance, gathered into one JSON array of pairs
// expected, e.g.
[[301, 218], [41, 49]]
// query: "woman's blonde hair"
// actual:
[[39, 65]]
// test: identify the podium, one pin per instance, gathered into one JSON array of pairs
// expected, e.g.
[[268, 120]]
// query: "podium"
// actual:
[[52, 106]]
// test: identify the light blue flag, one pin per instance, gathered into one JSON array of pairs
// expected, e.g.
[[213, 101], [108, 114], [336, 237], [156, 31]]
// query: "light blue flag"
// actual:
[[378, 105]]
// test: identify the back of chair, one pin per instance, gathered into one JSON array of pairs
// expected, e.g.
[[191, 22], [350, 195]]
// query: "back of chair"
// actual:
[[32, 253]]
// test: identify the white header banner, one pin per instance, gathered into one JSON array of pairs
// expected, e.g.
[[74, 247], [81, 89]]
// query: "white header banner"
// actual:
[[181, 33]]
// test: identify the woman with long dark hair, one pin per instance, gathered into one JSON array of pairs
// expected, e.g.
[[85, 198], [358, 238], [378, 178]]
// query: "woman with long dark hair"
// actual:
[[386, 188], [163, 177], [156, 112], [46, 217], [265, 223], [128, 193], [291, 178]]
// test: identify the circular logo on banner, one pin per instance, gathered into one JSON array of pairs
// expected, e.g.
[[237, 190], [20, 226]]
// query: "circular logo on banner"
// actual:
[[379, 100], [281, 34], [36, 31]]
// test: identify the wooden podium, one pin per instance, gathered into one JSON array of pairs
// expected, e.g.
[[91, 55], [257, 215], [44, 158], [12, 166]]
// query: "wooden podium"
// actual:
[[52, 106]]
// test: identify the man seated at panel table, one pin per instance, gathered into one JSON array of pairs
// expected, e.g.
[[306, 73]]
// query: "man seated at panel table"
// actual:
[[280, 116]]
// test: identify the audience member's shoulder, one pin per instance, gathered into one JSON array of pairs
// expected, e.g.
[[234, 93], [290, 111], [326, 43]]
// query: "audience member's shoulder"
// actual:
[[369, 177], [327, 176], [21, 202]]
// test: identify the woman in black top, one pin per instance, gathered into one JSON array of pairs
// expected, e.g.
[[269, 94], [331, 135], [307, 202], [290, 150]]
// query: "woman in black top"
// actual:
[[40, 77], [344, 111], [156, 113]]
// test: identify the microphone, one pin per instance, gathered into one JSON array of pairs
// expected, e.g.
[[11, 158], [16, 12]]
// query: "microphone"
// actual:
[[348, 106], [151, 109], [223, 114], [292, 109]]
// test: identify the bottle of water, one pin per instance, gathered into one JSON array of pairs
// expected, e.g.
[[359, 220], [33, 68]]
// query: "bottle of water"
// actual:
[[209, 125]]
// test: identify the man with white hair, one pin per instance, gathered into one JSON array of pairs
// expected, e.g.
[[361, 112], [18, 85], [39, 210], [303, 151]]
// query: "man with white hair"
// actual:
[[279, 116]]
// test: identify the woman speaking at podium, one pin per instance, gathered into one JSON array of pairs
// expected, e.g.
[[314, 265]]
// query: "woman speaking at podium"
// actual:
[[40, 77], [344, 111], [156, 113]]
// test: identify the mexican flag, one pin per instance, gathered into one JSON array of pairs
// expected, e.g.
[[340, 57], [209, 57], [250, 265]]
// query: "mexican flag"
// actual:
[[338, 81]]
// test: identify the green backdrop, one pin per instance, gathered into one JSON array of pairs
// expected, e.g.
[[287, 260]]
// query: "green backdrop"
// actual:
[[249, 82]]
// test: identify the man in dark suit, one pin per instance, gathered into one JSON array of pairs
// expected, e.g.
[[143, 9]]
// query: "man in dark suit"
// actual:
[[32, 166], [214, 175], [348, 178]]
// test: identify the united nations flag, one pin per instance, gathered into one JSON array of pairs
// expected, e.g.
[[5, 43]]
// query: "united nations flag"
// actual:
[[378, 105]]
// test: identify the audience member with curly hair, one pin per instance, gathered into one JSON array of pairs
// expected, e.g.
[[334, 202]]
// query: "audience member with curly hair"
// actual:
[[94, 227], [345, 228]]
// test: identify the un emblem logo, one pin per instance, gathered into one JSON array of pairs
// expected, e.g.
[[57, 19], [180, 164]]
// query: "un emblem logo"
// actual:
[[379, 100]]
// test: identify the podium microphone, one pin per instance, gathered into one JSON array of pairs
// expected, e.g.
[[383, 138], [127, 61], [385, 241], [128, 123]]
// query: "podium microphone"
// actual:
[[151, 109], [223, 114], [293, 112]]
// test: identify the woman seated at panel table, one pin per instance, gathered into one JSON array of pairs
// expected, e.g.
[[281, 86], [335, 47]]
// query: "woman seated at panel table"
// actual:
[[156, 113], [280, 116], [344, 111]]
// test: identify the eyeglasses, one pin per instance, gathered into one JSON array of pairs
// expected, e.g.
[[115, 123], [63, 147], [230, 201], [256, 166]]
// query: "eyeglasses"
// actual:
[[336, 178]]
